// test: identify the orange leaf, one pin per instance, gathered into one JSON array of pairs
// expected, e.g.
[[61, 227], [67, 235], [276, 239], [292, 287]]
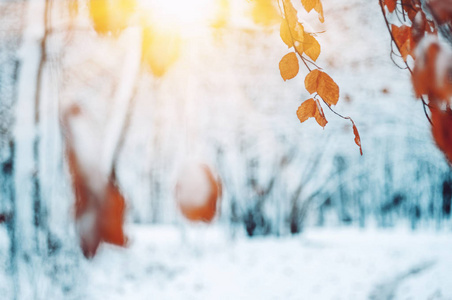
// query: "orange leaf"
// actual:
[[430, 75], [99, 204], [112, 215], [391, 5], [288, 66], [291, 35], [198, 192], [308, 4], [298, 32], [314, 4], [321, 83], [402, 37], [319, 8], [284, 32], [441, 11], [319, 115], [310, 109], [357, 137], [411, 7], [442, 131], [311, 47], [423, 77], [290, 13], [306, 110]]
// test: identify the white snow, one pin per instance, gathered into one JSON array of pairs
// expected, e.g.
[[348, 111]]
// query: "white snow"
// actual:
[[321, 264]]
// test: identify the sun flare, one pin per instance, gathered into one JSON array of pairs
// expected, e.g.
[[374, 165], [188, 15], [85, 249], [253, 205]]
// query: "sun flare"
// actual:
[[181, 13]]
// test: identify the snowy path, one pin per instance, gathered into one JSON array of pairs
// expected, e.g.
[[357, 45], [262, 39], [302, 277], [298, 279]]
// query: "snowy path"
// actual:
[[387, 289], [321, 264]]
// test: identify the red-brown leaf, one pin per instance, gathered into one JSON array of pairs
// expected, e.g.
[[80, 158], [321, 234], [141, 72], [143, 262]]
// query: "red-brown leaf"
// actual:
[[441, 10], [195, 205], [403, 39], [112, 215], [391, 5], [442, 131], [357, 137], [411, 8], [99, 209], [427, 79]]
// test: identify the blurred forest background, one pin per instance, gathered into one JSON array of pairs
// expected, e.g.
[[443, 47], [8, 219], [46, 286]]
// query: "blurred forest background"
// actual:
[[221, 102]]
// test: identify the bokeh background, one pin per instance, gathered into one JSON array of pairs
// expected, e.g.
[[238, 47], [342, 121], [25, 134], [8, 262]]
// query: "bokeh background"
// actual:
[[302, 216]]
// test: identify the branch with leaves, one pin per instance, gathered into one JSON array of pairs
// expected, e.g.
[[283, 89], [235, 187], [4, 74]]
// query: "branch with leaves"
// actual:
[[417, 37], [316, 82]]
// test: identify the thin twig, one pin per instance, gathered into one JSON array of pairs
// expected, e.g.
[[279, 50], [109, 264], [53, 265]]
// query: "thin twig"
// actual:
[[424, 104], [310, 61], [336, 113]]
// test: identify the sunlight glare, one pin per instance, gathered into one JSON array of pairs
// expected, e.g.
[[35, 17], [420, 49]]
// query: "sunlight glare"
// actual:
[[182, 12]]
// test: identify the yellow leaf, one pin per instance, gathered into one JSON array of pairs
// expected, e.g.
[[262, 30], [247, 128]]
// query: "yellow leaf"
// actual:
[[319, 8], [290, 13], [298, 32], [289, 36], [160, 50], [284, 32], [316, 5], [321, 83], [299, 47], [111, 15], [311, 46], [308, 4], [99, 13], [288, 66]]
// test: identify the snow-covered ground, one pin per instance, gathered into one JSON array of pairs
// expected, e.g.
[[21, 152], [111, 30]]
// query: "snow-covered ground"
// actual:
[[320, 264]]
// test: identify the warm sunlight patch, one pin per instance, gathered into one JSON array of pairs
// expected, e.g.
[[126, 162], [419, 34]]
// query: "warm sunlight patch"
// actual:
[[181, 12]]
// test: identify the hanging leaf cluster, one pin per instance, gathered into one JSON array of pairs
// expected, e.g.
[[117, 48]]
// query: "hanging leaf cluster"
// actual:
[[304, 46], [416, 36]]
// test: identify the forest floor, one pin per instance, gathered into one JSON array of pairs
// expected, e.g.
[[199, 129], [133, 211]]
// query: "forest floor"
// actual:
[[202, 263]]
